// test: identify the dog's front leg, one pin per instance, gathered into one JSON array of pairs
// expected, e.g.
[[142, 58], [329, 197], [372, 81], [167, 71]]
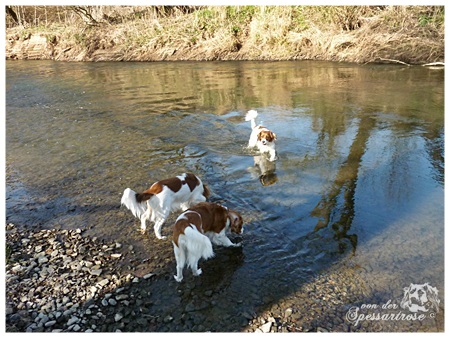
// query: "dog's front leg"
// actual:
[[222, 239], [184, 206], [143, 226], [273, 155]]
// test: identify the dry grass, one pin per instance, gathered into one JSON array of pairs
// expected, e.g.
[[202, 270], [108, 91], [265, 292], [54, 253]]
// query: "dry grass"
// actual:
[[411, 34]]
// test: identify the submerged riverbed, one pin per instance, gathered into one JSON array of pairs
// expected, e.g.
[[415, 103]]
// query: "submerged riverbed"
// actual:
[[357, 191]]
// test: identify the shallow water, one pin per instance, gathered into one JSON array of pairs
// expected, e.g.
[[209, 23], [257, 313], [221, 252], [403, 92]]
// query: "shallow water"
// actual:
[[359, 179]]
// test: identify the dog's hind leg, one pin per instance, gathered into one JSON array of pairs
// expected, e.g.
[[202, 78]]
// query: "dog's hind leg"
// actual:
[[180, 257], [144, 218], [252, 143], [195, 270], [158, 225]]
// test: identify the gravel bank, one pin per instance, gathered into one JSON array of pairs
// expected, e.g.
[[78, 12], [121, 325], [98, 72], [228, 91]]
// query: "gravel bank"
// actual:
[[62, 281]]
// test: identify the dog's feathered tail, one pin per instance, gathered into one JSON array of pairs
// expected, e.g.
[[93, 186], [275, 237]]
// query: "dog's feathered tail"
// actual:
[[195, 245], [251, 116], [134, 202]]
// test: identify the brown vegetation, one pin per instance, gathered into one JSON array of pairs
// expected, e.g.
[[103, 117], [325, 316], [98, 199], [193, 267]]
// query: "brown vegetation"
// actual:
[[408, 34]]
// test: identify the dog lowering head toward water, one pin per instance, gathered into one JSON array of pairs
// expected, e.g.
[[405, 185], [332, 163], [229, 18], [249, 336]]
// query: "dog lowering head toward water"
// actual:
[[197, 228]]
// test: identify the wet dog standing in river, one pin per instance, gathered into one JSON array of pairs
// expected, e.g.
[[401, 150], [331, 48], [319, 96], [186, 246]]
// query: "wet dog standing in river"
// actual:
[[163, 197], [261, 137], [197, 228]]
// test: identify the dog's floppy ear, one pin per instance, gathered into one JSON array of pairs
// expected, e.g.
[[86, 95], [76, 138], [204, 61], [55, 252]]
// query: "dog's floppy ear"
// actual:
[[236, 221], [234, 217], [274, 136]]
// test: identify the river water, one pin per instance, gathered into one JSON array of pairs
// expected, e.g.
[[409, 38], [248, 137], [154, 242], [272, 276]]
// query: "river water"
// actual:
[[358, 185]]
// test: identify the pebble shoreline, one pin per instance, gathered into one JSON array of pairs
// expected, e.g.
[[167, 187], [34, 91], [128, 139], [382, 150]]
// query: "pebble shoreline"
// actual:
[[53, 277], [62, 281]]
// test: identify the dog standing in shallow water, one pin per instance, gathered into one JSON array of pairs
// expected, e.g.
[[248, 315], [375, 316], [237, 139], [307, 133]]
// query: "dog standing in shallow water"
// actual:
[[196, 228], [261, 137], [163, 197]]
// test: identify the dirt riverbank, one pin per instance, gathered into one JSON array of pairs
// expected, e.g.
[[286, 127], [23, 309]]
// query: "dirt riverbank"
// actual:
[[361, 34]]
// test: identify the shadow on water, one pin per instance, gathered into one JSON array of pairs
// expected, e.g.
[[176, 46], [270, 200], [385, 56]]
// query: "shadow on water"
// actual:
[[360, 157]]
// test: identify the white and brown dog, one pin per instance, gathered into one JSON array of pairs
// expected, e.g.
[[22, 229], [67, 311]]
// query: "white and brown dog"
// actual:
[[163, 197], [196, 228], [261, 137]]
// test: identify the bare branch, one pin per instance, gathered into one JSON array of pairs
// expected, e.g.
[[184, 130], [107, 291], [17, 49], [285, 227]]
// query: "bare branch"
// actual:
[[395, 61], [85, 13], [434, 64]]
